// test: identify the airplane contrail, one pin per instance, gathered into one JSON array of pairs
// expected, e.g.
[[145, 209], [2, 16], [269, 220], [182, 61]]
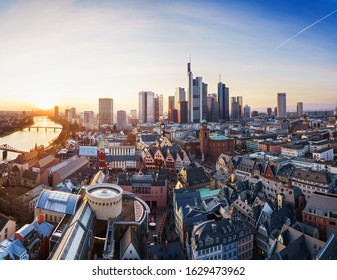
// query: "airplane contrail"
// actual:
[[304, 29]]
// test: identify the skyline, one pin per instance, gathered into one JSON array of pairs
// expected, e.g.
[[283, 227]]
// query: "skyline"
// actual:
[[70, 53]]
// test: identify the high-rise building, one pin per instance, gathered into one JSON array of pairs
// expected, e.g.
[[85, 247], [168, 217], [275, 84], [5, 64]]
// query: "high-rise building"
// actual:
[[190, 92], [171, 108], [269, 112], [146, 107], [56, 111], [299, 109], [105, 111], [161, 104], [183, 115], [171, 102], [281, 105], [223, 99], [246, 112], [212, 108], [179, 96], [67, 115], [156, 109], [133, 113], [197, 96], [121, 119], [72, 113], [88, 119], [236, 107]]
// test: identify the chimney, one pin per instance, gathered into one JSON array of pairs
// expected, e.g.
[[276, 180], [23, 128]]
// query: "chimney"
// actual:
[[41, 218]]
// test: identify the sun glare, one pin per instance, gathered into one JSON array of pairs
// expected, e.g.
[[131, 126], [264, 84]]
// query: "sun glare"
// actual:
[[44, 102]]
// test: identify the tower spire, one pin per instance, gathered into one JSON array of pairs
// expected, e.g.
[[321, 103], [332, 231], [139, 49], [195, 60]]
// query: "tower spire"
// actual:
[[220, 78]]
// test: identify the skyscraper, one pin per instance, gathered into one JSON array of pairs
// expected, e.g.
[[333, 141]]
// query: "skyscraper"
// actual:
[[156, 108], [179, 96], [299, 109], [190, 92], [197, 96], [161, 104], [223, 99], [88, 119], [246, 112], [56, 111], [146, 107], [212, 108], [121, 119], [281, 105], [105, 111], [236, 107]]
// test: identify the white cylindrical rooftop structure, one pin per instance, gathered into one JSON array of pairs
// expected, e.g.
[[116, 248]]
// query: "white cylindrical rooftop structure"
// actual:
[[105, 200]]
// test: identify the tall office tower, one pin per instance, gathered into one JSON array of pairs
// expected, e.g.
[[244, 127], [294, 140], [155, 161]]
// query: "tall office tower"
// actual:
[[67, 115], [190, 92], [197, 99], [212, 108], [183, 116], [88, 119], [269, 112], [121, 119], [299, 109], [236, 106], [246, 112], [146, 107], [161, 104], [170, 107], [133, 113], [240, 102], [156, 109], [203, 106], [171, 102], [56, 111], [179, 95], [281, 105], [72, 113], [223, 99], [105, 111]]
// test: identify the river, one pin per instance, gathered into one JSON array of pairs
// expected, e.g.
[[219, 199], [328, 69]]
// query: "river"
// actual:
[[25, 140]]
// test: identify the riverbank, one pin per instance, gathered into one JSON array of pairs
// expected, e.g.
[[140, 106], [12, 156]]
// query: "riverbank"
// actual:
[[16, 129]]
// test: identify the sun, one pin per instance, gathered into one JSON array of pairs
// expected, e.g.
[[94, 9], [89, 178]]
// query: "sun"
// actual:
[[44, 102]]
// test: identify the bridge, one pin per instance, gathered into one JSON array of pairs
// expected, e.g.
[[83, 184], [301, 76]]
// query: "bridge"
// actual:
[[44, 127], [7, 148]]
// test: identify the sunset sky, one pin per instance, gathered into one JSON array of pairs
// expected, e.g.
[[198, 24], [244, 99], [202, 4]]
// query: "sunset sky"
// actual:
[[70, 53]]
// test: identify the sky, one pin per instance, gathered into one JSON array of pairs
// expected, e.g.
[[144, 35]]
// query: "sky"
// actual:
[[70, 53]]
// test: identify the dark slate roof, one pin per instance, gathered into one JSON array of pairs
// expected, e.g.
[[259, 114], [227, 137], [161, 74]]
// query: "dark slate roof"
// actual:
[[128, 238], [149, 137], [311, 176], [111, 158], [20, 159], [286, 171], [212, 229], [329, 251], [297, 250], [169, 251], [3, 221], [30, 175], [196, 175], [321, 201]]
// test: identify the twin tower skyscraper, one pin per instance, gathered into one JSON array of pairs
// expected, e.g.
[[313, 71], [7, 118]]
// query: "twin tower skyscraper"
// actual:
[[198, 108]]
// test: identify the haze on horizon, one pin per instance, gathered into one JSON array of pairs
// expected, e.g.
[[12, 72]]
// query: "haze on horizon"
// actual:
[[70, 53]]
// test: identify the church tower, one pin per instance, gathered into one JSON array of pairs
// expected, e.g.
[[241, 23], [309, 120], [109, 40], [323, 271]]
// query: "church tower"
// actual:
[[204, 137], [101, 154]]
